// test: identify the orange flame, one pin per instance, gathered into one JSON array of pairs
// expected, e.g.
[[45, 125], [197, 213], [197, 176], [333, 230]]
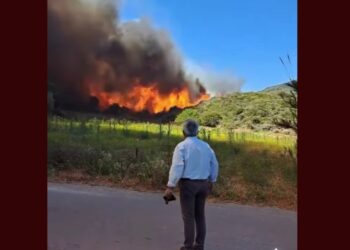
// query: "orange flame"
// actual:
[[147, 98]]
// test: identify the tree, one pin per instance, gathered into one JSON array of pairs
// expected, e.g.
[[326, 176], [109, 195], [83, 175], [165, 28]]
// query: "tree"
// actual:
[[291, 100]]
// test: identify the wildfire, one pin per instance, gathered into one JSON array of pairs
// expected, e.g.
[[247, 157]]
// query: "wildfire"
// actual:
[[148, 98]]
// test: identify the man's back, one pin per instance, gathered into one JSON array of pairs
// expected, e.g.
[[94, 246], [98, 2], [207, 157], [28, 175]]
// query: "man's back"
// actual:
[[193, 159], [197, 155]]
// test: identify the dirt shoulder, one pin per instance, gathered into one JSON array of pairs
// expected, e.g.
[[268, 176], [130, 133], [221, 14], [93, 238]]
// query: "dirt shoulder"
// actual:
[[79, 177]]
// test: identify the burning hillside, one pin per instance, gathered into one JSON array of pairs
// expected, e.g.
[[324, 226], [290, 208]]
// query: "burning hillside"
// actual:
[[93, 56], [141, 98]]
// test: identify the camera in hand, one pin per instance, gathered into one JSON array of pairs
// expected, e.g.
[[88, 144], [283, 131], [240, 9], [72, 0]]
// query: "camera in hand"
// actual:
[[168, 198]]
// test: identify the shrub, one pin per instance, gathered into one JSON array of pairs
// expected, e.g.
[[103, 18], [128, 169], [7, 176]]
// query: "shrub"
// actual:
[[256, 120], [211, 119]]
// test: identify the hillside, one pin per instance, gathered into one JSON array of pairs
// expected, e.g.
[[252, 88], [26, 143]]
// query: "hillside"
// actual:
[[245, 110], [278, 88]]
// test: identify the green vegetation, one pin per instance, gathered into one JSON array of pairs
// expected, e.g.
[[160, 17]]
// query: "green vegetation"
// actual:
[[255, 167], [256, 111], [291, 100]]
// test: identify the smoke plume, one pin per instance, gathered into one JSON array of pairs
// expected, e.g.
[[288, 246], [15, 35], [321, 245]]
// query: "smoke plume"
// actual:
[[91, 51], [216, 83]]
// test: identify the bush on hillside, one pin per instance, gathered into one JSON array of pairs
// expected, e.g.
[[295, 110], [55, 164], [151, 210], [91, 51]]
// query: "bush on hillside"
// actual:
[[210, 120]]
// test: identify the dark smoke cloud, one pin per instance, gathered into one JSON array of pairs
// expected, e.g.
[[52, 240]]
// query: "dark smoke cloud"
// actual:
[[88, 45]]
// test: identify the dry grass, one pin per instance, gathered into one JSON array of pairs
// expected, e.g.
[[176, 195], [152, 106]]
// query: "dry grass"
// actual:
[[277, 196]]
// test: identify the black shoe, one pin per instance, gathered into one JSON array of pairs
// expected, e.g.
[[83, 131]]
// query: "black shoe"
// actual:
[[184, 248], [198, 247]]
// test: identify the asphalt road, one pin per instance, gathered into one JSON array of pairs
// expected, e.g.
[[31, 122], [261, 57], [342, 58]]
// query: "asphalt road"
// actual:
[[101, 218]]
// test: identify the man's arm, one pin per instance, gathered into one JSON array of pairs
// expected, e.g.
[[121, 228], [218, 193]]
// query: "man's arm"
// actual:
[[214, 167], [177, 167]]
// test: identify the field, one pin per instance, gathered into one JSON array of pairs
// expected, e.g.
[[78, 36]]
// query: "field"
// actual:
[[255, 167]]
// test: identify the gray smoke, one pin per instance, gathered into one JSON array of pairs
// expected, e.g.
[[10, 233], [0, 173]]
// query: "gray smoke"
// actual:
[[216, 83], [88, 46]]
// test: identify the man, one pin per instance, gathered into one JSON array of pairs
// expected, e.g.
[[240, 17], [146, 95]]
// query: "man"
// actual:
[[195, 168]]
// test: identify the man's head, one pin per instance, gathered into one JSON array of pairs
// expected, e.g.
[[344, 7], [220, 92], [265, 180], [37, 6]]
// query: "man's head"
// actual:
[[190, 128]]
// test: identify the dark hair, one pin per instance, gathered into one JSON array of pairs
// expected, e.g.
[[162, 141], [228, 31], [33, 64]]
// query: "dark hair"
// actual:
[[190, 127]]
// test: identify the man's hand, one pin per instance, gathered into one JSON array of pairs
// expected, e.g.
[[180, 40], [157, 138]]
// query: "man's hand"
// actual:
[[169, 191], [168, 195]]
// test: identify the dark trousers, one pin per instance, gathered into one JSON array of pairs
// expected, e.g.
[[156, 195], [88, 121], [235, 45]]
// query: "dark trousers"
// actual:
[[193, 194]]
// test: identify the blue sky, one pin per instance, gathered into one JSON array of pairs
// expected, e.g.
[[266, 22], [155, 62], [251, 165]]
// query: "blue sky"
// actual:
[[244, 37]]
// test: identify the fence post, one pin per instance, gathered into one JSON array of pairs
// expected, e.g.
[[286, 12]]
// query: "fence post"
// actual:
[[160, 131]]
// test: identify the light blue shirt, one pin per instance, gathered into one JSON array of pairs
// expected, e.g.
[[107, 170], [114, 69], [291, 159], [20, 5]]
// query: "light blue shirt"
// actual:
[[193, 159]]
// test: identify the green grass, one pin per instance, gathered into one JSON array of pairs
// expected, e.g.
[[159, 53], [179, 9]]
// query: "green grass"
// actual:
[[255, 167], [210, 134]]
